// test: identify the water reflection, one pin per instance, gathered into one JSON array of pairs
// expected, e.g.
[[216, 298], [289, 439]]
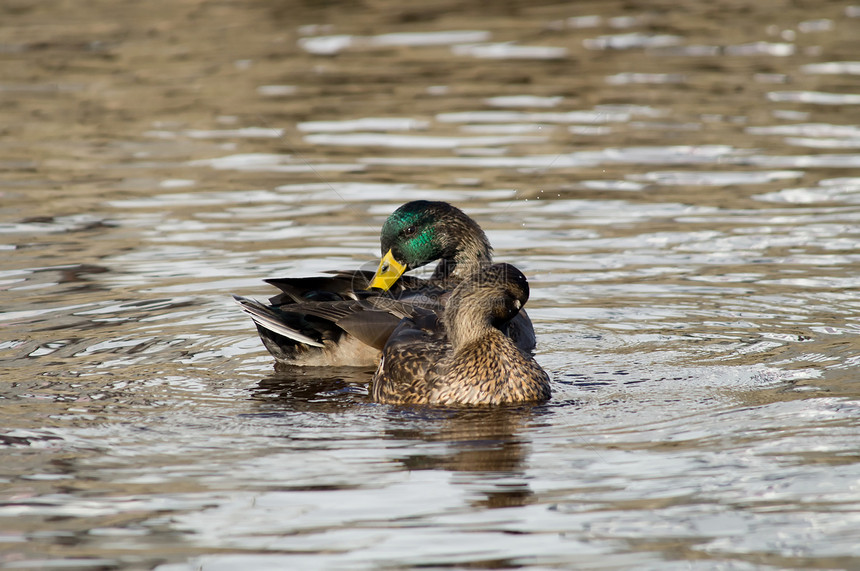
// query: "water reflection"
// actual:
[[319, 389], [486, 445], [485, 448]]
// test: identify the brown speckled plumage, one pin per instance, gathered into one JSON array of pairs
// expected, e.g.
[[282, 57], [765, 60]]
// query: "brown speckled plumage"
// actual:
[[463, 358]]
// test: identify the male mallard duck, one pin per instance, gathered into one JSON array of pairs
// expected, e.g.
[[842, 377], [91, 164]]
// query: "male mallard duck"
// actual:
[[462, 357], [335, 320]]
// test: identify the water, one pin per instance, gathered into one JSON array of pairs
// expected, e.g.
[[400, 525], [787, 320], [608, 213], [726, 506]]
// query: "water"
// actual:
[[680, 183]]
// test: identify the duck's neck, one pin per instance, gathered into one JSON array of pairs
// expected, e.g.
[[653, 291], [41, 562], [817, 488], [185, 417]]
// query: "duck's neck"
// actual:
[[469, 255], [466, 321]]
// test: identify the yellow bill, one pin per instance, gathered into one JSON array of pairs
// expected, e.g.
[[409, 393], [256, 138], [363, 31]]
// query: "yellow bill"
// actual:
[[388, 273]]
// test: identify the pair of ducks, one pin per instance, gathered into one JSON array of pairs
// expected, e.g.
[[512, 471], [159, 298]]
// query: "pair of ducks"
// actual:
[[459, 338]]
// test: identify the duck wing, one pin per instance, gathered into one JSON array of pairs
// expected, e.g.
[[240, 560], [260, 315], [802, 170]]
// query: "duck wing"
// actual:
[[270, 319], [310, 311], [338, 285], [334, 319]]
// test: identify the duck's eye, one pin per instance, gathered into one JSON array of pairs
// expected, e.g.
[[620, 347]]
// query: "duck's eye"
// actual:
[[410, 230]]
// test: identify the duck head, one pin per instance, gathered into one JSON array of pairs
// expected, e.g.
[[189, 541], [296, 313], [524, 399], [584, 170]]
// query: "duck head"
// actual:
[[489, 298], [420, 232]]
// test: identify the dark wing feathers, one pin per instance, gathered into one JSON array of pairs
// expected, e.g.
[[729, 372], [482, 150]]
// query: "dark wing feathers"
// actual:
[[272, 320], [338, 285], [318, 311], [370, 327], [300, 290]]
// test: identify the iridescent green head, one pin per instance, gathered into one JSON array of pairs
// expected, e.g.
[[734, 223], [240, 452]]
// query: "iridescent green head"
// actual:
[[420, 232]]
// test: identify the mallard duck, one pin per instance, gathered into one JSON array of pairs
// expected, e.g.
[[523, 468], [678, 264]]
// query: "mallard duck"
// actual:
[[346, 318], [462, 357]]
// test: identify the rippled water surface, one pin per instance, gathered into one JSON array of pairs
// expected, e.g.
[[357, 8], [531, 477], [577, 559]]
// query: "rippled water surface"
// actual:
[[680, 182]]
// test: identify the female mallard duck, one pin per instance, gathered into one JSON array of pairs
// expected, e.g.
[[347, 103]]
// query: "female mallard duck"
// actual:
[[346, 318], [462, 357]]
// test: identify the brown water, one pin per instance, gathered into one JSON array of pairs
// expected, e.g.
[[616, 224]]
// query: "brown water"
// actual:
[[680, 182]]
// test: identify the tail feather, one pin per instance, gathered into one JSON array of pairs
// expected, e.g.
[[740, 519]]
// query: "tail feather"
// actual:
[[269, 320]]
